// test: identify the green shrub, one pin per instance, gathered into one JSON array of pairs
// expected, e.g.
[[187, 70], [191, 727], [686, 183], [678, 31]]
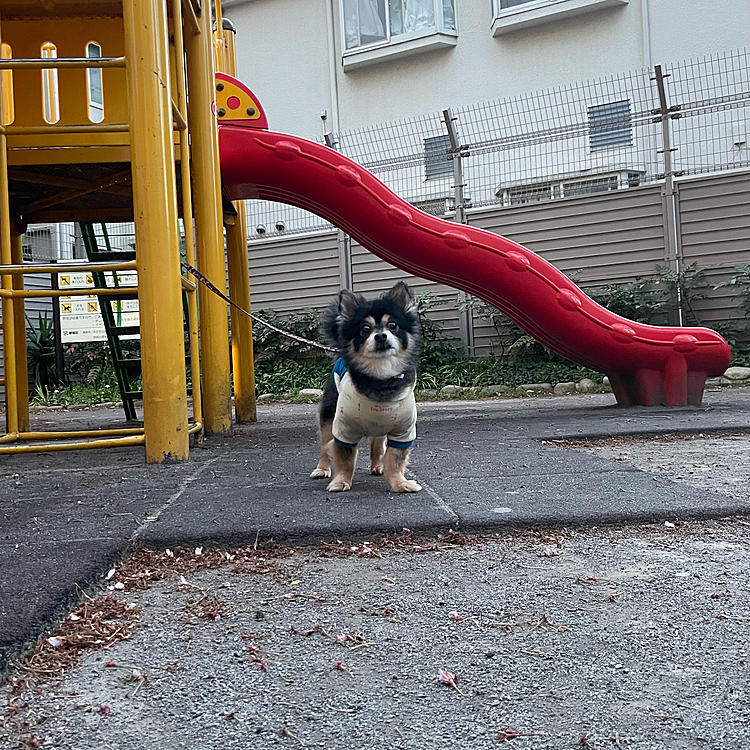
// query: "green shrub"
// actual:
[[640, 300], [40, 347]]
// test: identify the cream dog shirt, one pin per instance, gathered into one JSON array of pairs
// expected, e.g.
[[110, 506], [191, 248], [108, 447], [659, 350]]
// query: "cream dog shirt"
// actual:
[[358, 416]]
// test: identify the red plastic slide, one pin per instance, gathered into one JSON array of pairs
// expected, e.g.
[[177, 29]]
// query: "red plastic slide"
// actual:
[[647, 365]]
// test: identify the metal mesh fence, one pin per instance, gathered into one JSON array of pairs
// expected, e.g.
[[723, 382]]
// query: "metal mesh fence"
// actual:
[[48, 242], [587, 137]]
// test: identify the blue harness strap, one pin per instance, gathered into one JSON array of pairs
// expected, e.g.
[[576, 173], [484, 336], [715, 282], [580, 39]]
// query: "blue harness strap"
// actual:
[[339, 370]]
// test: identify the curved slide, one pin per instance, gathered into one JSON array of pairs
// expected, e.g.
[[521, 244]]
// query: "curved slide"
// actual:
[[646, 365]]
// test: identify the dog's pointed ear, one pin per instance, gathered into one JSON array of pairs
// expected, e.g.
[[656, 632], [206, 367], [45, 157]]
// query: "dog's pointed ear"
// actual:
[[402, 296], [348, 302]]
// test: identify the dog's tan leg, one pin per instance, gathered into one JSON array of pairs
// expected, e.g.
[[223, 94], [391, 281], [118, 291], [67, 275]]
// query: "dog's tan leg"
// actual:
[[323, 468], [377, 451], [344, 461], [396, 461]]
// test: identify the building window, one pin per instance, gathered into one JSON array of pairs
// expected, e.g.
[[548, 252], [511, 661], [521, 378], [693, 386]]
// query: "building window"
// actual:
[[609, 125], [436, 161], [373, 22], [94, 80]]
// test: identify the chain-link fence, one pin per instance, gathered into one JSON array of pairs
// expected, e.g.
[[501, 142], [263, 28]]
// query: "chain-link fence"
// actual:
[[590, 137]]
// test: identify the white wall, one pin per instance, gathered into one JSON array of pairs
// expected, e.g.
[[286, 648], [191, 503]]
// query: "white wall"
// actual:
[[283, 56]]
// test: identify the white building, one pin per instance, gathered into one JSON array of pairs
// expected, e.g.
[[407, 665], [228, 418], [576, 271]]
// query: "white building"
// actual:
[[362, 62]]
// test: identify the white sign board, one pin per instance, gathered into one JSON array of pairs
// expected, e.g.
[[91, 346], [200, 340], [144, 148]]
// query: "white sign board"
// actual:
[[80, 316]]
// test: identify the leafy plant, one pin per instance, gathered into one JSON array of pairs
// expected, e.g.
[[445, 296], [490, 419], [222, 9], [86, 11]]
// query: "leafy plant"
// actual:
[[741, 282], [437, 349], [290, 376], [506, 331], [639, 300], [40, 347], [683, 288], [76, 393], [271, 347]]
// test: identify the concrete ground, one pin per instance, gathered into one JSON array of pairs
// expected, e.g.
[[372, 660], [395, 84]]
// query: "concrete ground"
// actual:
[[488, 468]]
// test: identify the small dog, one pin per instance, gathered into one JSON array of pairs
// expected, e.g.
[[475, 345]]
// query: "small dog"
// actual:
[[371, 389]]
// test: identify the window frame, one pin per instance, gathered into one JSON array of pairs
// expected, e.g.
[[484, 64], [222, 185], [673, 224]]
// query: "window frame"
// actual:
[[399, 44], [538, 12]]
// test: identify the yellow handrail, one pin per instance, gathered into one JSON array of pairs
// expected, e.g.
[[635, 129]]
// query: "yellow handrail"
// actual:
[[108, 127], [129, 265], [24, 63], [77, 292]]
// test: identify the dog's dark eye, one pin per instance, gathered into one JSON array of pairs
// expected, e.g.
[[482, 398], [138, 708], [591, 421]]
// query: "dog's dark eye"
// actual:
[[365, 330], [393, 327]]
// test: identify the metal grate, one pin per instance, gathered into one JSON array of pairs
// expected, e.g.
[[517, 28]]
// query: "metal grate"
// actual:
[[609, 125]]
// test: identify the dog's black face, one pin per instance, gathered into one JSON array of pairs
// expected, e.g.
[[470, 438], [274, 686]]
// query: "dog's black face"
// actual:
[[379, 339]]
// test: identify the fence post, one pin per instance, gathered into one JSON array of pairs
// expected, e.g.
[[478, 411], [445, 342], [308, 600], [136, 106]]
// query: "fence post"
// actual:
[[669, 190], [343, 240], [456, 153]]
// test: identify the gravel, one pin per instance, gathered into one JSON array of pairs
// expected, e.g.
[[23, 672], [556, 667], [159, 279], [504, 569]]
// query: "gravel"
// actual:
[[621, 637]]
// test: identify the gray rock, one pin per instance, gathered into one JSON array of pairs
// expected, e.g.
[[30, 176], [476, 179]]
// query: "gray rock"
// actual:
[[450, 390], [497, 390], [561, 389], [428, 393], [311, 392], [537, 387], [585, 386], [265, 397], [605, 381], [738, 373], [712, 382]]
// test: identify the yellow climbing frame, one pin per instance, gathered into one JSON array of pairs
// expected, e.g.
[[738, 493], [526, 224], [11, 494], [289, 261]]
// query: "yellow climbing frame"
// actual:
[[149, 158]]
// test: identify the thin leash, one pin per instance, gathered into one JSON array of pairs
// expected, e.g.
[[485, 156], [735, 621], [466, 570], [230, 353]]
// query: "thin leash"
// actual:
[[198, 275]]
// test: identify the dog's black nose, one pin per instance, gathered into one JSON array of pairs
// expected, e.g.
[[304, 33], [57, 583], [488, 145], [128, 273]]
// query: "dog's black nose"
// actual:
[[381, 337]]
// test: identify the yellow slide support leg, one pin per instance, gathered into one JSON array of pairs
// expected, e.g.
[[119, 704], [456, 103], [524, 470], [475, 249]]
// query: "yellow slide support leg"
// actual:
[[19, 323], [209, 235], [156, 231], [243, 367]]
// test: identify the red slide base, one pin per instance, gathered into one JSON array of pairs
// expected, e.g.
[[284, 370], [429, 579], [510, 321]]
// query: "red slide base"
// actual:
[[646, 365]]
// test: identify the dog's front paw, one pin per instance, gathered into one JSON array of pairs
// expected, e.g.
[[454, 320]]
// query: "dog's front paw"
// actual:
[[339, 485], [406, 485], [377, 469], [319, 473]]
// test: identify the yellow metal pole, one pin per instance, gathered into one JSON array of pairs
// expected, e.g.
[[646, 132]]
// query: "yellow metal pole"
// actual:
[[19, 321], [45, 448], [156, 231], [243, 368], [62, 268], [6, 254], [217, 397], [187, 208]]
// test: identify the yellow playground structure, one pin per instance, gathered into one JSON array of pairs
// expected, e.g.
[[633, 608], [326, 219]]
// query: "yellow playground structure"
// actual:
[[108, 113]]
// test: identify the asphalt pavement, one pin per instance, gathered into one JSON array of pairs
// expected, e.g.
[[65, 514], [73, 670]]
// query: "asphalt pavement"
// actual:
[[486, 466]]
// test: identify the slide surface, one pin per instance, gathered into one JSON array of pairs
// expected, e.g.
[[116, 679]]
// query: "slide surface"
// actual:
[[646, 365]]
